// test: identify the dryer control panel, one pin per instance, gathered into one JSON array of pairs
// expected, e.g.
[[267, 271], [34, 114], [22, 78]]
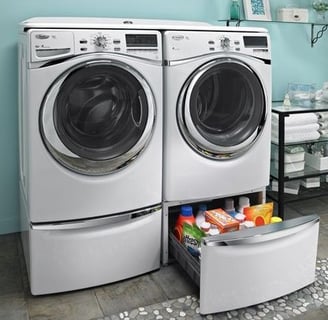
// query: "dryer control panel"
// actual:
[[49, 44], [188, 44]]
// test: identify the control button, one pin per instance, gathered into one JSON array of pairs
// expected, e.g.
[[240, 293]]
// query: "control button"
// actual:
[[100, 41], [83, 41], [225, 43], [117, 41], [237, 49], [237, 43], [117, 49], [212, 49], [211, 42], [84, 49]]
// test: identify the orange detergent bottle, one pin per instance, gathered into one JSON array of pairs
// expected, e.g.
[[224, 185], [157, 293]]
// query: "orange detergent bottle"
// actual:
[[186, 216]]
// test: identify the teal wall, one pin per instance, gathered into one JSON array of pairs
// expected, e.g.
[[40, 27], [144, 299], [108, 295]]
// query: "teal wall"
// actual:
[[293, 61]]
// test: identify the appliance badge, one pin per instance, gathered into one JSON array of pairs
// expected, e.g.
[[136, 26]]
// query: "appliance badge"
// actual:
[[42, 36], [178, 37]]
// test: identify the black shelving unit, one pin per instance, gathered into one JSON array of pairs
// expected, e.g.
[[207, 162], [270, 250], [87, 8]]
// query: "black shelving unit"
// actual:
[[279, 174]]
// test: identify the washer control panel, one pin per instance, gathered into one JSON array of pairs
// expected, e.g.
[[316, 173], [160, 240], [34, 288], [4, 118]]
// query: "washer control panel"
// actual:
[[49, 44], [188, 44]]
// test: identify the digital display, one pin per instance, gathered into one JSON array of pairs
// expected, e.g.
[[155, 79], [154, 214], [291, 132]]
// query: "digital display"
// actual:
[[141, 40], [255, 42]]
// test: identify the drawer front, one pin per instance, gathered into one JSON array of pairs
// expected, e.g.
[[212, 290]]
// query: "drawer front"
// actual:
[[248, 267], [68, 258]]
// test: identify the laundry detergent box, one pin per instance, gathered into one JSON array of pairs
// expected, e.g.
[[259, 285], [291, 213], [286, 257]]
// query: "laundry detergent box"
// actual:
[[223, 221]]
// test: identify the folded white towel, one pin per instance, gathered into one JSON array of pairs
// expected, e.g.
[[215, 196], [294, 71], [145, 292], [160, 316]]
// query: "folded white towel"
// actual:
[[324, 133], [322, 115], [297, 118], [297, 129], [297, 137], [323, 124]]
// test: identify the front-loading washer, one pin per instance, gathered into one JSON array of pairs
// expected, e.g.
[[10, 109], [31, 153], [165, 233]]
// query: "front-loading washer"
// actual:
[[217, 104], [90, 122]]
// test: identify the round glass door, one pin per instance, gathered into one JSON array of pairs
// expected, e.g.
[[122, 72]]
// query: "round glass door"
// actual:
[[222, 109], [97, 117]]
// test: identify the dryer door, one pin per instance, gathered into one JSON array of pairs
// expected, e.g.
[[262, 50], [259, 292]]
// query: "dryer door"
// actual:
[[97, 117], [222, 109]]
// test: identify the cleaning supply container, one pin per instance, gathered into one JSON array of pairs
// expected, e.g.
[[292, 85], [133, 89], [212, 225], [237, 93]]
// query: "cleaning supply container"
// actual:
[[200, 217], [186, 216]]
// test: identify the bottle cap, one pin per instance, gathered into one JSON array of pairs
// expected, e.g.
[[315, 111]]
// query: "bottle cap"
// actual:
[[240, 217], [243, 202], [247, 224], [275, 219], [213, 231], [205, 226], [229, 204], [186, 211]]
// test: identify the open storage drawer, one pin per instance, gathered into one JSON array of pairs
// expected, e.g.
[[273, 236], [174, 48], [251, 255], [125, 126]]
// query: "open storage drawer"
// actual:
[[247, 267]]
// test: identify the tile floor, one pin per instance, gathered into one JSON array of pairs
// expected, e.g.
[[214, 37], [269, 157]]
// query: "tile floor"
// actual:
[[168, 283]]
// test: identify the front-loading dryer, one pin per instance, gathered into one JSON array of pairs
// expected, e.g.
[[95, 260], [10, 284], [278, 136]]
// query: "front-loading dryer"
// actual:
[[90, 121], [217, 104]]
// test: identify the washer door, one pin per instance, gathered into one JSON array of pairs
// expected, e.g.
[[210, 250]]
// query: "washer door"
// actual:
[[97, 117], [222, 109]]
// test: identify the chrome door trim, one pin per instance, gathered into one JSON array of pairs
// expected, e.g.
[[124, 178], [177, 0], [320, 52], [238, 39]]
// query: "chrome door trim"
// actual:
[[95, 222], [74, 162], [191, 134]]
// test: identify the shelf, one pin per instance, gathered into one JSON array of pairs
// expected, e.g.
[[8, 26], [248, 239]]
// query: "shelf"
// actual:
[[308, 172], [315, 35], [304, 194], [278, 108], [321, 139], [319, 34], [278, 169]]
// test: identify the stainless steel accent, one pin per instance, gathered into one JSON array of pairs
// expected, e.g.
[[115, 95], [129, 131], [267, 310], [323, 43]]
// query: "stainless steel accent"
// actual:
[[95, 222], [263, 233], [73, 161], [190, 132]]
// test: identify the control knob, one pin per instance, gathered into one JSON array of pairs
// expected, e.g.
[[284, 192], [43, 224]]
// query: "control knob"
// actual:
[[225, 43], [100, 41]]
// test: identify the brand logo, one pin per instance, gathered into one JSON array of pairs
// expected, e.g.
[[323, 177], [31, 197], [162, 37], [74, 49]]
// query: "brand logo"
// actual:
[[42, 36], [178, 37]]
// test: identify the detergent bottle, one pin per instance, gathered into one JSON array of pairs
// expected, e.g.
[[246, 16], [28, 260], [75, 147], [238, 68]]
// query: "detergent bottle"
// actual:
[[186, 216], [200, 217]]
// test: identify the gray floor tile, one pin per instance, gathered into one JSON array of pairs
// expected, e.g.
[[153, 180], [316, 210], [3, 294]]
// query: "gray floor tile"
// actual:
[[10, 275], [324, 220], [79, 305], [174, 281], [129, 294], [323, 245], [9, 244], [307, 207], [13, 307]]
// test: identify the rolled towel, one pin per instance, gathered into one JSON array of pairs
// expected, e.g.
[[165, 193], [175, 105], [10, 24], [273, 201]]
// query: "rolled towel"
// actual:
[[323, 125], [324, 133], [297, 137], [297, 118], [297, 129], [322, 115]]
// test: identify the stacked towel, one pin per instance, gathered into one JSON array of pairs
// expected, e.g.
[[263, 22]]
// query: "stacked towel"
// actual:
[[323, 123], [299, 127]]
